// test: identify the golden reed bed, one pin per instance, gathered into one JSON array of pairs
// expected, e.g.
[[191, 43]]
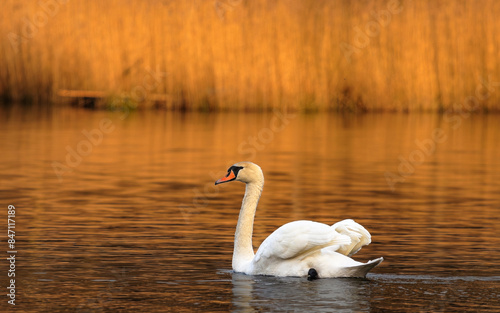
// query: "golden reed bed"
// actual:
[[373, 55]]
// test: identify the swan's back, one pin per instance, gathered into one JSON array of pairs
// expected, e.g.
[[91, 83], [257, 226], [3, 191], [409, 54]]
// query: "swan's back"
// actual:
[[294, 248], [298, 239]]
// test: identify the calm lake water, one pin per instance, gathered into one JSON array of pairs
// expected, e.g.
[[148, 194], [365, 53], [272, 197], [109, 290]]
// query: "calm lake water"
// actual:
[[130, 220]]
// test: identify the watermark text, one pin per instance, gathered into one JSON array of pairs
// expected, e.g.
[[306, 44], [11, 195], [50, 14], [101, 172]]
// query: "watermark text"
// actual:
[[11, 251]]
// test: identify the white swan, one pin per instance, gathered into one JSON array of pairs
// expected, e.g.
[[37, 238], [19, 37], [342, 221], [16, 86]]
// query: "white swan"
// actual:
[[300, 248]]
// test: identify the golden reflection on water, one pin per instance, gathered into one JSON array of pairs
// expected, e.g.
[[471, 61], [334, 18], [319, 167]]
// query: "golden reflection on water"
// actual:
[[138, 223]]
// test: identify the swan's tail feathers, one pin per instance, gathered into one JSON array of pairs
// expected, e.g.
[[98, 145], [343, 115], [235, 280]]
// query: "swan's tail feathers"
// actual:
[[361, 270], [359, 236]]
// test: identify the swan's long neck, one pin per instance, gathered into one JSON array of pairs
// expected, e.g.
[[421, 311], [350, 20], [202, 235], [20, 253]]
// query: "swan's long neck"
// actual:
[[243, 250]]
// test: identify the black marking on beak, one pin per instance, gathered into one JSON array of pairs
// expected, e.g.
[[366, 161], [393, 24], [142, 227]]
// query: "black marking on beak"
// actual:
[[232, 174]]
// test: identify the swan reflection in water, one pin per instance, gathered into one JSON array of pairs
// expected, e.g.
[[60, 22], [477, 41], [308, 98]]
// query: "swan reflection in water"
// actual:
[[285, 294]]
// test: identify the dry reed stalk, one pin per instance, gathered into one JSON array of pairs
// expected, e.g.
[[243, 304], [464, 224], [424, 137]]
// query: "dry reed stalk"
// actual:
[[371, 55]]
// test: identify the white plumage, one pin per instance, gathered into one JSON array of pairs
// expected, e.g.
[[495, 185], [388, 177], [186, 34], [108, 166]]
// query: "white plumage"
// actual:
[[296, 247]]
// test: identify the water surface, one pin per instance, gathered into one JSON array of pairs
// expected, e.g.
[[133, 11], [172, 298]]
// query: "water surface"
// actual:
[[131, 219]]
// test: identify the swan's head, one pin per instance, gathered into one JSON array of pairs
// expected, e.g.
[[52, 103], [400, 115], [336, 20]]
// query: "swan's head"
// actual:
[[246, 172]]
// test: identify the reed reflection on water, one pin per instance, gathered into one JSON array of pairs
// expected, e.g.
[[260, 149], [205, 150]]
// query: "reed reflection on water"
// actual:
[[138, 224]]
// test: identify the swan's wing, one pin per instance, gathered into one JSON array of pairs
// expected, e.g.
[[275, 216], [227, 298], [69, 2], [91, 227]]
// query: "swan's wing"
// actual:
[[359, 236], [298, 239]]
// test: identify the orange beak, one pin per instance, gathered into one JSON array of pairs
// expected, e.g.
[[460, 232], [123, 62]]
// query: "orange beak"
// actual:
[[229, 177]]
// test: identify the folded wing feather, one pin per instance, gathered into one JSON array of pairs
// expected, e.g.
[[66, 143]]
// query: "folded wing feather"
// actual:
[[300, 238], [358, 234]]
